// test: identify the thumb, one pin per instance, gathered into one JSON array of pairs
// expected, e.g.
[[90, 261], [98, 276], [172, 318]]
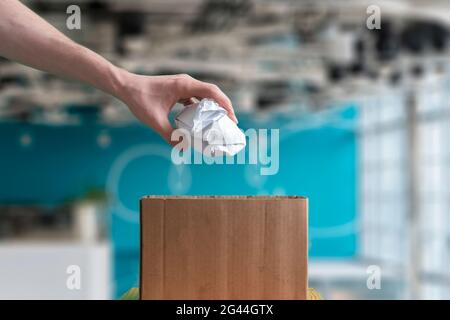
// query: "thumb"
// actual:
[[165, 129]]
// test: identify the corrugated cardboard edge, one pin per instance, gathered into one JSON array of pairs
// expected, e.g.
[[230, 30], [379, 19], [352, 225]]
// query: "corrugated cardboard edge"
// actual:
[[140, 248], [307, 246], [166, 197], [228, 197]]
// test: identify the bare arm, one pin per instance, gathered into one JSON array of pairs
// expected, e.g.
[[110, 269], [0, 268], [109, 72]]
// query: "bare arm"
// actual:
[[27, 38]]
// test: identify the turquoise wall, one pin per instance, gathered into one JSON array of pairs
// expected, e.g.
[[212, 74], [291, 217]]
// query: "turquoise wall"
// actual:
[[317, 161]]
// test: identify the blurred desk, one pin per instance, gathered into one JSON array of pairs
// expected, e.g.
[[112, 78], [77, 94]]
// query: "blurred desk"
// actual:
[[39, 270], [347, 279]]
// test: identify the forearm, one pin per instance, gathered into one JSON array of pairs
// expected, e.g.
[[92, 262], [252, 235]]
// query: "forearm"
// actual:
[[27, 38]]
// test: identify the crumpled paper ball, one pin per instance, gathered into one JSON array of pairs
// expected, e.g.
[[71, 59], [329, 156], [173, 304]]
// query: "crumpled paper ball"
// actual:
[[212, 132]]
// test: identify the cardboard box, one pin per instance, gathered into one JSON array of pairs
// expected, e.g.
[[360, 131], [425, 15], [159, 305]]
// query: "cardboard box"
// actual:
[[224, 247]]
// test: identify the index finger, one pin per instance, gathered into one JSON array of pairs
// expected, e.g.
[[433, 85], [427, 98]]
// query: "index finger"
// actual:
[[209, 90]]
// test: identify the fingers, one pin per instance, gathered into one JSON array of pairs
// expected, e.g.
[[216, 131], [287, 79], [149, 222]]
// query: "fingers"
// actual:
[[196, 88], [165, 129], [212, 91], [187, 101]]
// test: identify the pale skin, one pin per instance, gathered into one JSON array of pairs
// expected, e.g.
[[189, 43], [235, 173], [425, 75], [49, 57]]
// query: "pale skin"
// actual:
[[28, 39]]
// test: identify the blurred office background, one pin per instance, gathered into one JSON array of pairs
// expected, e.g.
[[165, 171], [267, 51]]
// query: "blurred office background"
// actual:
[[363, 116]]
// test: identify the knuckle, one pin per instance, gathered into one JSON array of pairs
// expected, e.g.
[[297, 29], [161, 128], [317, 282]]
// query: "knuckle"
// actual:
[[181, 80], [213, 88], [184, 76]]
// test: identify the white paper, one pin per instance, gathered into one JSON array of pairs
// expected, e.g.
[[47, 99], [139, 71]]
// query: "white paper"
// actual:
[[211, 129]]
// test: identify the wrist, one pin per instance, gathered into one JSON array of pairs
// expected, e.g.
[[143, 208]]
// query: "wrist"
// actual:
[[120, 80]]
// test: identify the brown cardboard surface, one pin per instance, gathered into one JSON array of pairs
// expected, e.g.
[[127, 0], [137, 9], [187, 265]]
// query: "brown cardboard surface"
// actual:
[[223, 247]]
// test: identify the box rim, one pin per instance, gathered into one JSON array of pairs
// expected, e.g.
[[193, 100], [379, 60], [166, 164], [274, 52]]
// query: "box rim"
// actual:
[[226, 197]]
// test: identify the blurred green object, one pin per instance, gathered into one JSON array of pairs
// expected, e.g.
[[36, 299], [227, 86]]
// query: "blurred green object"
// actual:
[[132, 294], [313, 294]]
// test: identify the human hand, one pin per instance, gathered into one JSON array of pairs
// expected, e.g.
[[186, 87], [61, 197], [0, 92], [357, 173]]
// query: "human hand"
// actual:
[[150, 98]]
